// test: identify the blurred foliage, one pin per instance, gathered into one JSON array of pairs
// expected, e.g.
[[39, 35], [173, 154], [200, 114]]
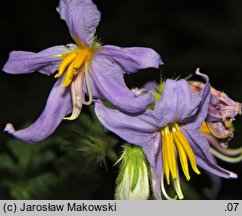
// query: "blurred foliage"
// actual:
[[67, 165]]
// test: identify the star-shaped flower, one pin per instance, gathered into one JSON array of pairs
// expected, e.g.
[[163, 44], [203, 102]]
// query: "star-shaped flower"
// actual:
[[83, 68]]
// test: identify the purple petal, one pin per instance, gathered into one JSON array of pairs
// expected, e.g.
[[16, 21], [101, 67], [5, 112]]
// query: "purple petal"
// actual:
[[204, 159], [179, 103], [82, 18], [223, 107], [131, 59], [108, 83], [135, 130], [45, 62], [152, 150], [151, 86], [57, 107], [204, 105]]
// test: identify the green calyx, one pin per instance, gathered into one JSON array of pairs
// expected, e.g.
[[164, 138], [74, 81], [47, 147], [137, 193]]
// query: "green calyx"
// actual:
[[97, 42], [132, 161], [157, 94]]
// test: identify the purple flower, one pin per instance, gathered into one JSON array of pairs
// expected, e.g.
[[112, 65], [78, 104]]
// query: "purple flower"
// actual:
[[83, 68], [168, 133], [218, 128], [222, 111]]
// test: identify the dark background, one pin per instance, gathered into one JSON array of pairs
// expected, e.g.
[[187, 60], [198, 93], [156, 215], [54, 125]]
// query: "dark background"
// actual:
[[187, 34]]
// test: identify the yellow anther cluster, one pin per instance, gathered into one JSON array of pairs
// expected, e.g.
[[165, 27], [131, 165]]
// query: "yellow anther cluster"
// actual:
[[174, 142], [73, 63]]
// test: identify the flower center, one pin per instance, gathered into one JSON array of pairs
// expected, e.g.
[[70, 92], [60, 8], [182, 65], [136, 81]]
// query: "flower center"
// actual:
[[73, 63], [174, 142]]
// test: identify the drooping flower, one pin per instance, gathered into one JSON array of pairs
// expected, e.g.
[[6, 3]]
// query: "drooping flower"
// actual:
[[83, 68], [222, 111], [133, 179], [169, 133], [218, 139], [218, 127]]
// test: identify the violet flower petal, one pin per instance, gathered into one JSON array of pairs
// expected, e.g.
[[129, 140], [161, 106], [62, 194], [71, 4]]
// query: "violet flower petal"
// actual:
[[57, 107], [107, 77], [178, 102], [152, 150], [151, 86], [193, 126], [135, 130], [203, 157], [82, 18], [45, 62], [131, 59]]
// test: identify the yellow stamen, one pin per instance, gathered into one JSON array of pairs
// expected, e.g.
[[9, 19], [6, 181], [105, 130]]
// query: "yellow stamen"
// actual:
[[75, 66], [73, 62], [164, 157], [69, 75], [171, 155], [204, 128], [187, 148], [174, 142], [183, 158], [65, 62], [81, 57]]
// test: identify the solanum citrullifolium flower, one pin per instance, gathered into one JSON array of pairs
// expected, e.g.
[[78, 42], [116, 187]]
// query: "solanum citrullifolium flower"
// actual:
[[85, 67], [168, 133]]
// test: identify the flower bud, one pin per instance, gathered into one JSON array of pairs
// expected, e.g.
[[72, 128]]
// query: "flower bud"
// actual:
[[133, 179]]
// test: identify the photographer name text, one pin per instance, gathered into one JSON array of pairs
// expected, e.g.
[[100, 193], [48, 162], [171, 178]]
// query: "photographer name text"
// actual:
[[50, 207]]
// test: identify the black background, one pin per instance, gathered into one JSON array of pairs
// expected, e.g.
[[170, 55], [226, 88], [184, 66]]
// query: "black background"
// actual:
[[187, 34]]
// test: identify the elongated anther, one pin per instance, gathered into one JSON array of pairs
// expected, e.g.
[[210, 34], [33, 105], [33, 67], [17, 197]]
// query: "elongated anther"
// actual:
[[187, 148], [65, 62], [80, 58], [164, 157], [183, 158], [69, 75]]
